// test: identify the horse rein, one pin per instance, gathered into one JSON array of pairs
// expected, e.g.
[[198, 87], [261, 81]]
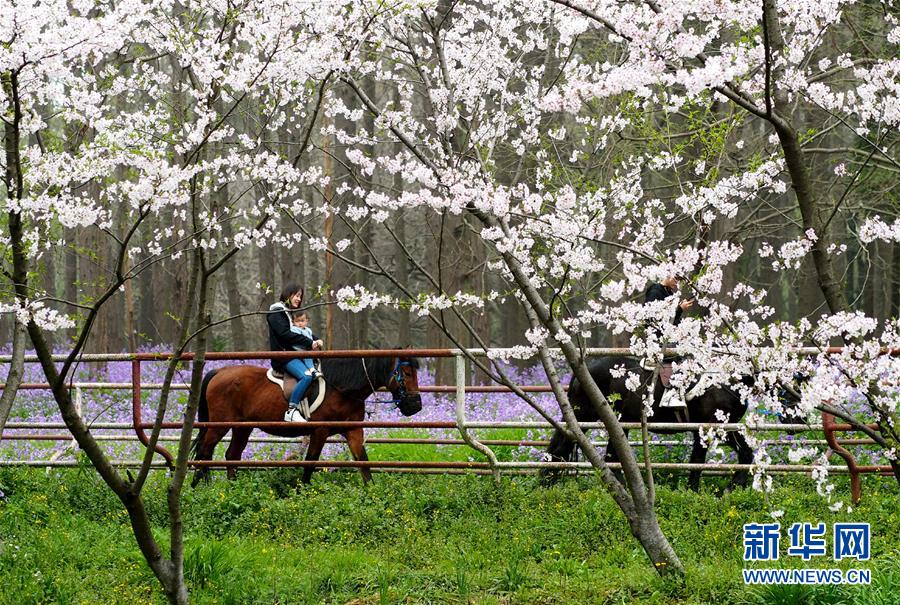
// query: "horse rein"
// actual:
[[396, 374]]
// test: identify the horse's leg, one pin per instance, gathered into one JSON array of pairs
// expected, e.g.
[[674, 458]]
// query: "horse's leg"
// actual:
[[239, 439], [356, 443], [208, 444], [745, 456], [316, 443], [698, 456]]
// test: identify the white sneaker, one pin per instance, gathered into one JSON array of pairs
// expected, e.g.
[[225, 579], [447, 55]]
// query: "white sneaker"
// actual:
[[293, 415]]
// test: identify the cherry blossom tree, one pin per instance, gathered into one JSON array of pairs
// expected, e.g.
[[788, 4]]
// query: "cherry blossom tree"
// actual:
[[514, 118], [192, 114]]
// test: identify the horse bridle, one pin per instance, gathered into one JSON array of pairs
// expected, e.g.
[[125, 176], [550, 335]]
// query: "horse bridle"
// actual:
[[396, 374]]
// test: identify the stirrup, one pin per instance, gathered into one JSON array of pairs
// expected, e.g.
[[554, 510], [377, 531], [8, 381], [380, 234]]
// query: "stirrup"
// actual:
[[672, 399]]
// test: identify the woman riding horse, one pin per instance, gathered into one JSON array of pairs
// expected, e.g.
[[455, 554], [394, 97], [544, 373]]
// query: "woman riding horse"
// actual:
[[243, 393], [282, 338], [246, 394]]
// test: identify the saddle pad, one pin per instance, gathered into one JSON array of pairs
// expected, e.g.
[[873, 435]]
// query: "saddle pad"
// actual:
[[286, 383]]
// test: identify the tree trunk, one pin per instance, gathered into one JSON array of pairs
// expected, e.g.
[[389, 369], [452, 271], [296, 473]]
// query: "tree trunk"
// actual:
[[147, 325], [266, 260], [814, 215], [233, 296], [634, 498], [14, 182], [894, 269], [401, 265], [292, 265], [328, 231]]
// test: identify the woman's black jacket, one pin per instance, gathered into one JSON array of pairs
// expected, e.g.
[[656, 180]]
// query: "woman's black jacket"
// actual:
[[280, 336]]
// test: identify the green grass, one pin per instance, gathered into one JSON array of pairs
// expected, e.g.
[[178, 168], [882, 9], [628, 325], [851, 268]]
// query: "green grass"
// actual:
[[413, 539]]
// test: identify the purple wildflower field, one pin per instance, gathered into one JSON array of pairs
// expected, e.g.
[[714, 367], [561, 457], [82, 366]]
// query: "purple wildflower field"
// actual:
[[114, 406]]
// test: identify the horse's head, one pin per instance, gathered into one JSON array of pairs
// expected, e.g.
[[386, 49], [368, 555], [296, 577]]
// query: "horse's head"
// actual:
[[404, 385], [789, 398], [787, 409]]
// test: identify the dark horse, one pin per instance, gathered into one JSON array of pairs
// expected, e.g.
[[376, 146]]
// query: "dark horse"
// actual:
[[628, 405], [244, 394]]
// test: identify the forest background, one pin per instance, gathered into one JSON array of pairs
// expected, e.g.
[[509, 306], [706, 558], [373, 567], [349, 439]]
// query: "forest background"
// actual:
[[844, 170]]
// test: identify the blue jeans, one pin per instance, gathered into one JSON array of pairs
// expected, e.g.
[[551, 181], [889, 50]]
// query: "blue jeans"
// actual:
[[297, 368]]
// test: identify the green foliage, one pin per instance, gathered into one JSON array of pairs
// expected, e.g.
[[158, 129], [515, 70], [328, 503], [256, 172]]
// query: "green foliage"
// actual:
[[409, 539]]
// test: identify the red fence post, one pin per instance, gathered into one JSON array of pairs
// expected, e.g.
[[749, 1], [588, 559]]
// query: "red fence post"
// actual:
[[828, 427]]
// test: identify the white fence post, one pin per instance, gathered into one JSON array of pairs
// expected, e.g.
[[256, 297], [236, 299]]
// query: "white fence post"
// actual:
[[461, 418]]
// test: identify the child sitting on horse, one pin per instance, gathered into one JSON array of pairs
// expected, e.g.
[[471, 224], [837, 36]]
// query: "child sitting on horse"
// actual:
[[300, 325]]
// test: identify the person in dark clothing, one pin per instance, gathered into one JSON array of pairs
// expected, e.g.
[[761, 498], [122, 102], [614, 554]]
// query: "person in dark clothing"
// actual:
[[282, 338], [665, 289], [673, 398]]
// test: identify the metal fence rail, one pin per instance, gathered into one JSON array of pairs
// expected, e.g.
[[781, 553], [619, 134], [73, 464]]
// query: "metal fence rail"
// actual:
[[464, 427]]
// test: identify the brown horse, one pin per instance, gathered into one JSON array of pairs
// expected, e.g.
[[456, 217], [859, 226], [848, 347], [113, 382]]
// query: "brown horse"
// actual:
[[244, 394]]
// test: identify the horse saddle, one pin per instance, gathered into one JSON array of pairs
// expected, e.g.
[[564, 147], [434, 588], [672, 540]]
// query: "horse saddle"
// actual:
[[315, 394], [665, 370], [665, 374]]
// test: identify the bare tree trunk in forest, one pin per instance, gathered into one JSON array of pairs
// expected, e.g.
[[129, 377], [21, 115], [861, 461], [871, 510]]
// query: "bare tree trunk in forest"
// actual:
[[444, 370], [70, 282], [292, 265], [364, 317], [117, 337], [872, 285], [265, 258], [130, 324], [49, 278], [808, 296], [346, 325], [884, 293], [146, 322], [176, 271], [122, 323], [313, 271], [87, 275], [328, 277], [401, 264], [892, 281], [232, 287]]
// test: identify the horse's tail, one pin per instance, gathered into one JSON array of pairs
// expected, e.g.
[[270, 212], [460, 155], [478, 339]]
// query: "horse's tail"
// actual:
[[202, 413]]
